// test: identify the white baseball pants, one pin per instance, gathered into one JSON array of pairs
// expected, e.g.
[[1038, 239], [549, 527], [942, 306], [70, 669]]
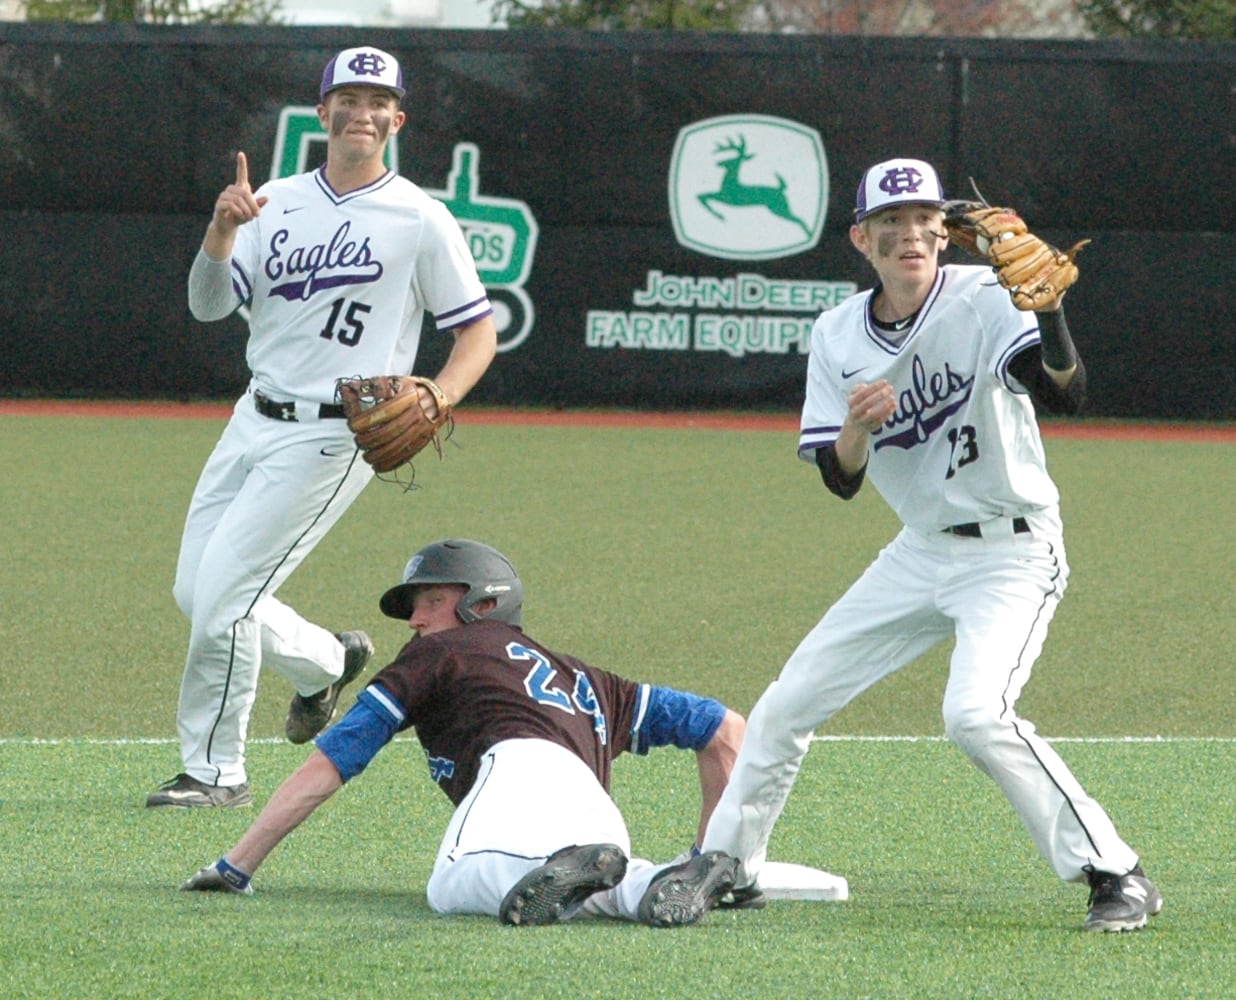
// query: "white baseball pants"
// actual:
[[269, 492], [996, 595], [531, 798]]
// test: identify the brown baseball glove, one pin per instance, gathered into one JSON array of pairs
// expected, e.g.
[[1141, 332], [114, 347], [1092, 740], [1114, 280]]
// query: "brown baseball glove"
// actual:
[[1035, 272], [387, 420]]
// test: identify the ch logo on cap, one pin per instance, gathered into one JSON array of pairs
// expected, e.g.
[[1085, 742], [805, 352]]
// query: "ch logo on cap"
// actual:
[[901, 180], [367, 64]]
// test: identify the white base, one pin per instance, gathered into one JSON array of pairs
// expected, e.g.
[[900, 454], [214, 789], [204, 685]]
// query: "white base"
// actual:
[[785, 880]]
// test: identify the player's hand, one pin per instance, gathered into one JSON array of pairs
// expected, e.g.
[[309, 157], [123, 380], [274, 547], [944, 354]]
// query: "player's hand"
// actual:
[[237, 205], [219, 877], [872, 404]]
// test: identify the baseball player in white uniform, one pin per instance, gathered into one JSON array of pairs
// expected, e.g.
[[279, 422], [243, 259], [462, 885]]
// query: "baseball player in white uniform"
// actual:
[[927, 385], [338, 267]]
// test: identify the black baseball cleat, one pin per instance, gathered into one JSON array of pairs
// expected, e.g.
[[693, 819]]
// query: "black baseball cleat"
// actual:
[[749, 897], [308, 715], [1121, 902], [683, 893], [186, 792], [557, 888]]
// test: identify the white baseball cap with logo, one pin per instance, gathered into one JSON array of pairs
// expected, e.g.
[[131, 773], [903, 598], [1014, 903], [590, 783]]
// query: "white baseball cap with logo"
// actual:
[[897, 182], [363, 67]]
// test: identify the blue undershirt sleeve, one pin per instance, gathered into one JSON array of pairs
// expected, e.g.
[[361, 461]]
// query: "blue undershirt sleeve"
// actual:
[[670, 717], [368, 726]]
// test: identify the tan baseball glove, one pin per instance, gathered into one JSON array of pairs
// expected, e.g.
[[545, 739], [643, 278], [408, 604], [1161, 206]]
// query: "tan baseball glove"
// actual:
[[1035, 273], [387, 420]]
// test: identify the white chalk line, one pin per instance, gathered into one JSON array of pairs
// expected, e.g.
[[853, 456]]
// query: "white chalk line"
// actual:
[[153, 741]]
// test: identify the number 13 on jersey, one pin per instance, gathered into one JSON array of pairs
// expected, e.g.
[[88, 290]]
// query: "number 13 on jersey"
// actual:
[[964, 448]]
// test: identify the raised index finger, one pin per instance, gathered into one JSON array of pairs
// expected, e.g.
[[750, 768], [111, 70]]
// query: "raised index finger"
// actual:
[[242, 170]]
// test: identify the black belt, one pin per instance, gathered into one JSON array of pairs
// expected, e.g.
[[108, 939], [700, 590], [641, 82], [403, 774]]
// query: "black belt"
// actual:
[[287, 411], [974, 530]]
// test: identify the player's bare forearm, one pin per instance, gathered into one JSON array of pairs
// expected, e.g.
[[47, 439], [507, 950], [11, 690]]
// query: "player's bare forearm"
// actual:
[[715, 762], [474, 349], [294, 801], [218, 241], [851, 449]]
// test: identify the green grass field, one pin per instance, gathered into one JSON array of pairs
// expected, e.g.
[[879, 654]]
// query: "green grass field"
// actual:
[[693, 558]]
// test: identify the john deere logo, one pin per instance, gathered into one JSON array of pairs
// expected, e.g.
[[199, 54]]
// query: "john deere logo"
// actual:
[[748, 187]]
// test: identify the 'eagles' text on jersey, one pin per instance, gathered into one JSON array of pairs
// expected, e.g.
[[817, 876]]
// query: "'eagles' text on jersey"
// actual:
[[963, 444], [338, 285]]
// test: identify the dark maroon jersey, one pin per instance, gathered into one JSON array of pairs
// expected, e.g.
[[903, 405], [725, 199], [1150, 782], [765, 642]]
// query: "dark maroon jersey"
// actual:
[[465, 689]]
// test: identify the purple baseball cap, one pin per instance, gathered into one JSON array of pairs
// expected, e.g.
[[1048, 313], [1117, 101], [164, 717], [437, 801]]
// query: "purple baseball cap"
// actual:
[[363, 67], [897, 182]]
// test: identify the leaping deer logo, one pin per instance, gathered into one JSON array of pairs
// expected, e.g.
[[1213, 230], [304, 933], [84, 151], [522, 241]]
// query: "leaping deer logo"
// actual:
[[734, 192]]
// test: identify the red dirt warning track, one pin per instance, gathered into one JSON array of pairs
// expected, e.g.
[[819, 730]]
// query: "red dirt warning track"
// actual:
[[694, 420]]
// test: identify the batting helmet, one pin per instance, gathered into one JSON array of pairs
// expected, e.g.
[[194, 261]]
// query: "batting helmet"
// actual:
[[485, 571]]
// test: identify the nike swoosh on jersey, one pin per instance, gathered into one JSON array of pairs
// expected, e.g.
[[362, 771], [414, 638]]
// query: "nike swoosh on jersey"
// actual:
[[289, 211], [846, 374]]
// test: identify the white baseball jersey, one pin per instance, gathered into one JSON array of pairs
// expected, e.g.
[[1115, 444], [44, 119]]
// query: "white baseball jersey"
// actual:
[[310, 265], [963, 444]]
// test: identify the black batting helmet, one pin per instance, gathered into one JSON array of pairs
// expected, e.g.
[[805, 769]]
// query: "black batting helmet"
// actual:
[[485, 571]]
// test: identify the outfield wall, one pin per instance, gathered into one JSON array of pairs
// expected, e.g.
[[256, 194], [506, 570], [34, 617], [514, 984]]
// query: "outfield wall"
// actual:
[[630, 265]]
